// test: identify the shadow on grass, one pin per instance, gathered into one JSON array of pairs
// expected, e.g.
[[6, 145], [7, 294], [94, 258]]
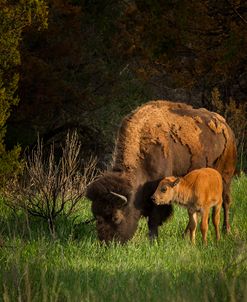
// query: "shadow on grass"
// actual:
[[19, 225], [34, 283]]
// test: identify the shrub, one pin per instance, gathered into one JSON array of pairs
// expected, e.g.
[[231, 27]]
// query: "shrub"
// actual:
[[51, 187]]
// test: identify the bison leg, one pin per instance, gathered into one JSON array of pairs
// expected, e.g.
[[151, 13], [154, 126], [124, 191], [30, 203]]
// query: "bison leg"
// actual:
[[153, 230], [158, 215], [153, 224], [226, 207], [226, 225]]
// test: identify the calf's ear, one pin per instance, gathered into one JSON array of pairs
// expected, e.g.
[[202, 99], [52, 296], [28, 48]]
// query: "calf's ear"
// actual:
[[176, 181]]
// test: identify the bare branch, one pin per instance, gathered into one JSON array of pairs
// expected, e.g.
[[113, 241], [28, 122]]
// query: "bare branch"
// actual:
[[51, 186], [236, 12]]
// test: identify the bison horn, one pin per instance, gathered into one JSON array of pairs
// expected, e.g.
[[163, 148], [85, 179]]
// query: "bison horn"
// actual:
[[122, 197]]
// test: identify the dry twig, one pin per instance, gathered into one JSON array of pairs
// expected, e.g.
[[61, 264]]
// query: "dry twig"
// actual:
[[52, 187]]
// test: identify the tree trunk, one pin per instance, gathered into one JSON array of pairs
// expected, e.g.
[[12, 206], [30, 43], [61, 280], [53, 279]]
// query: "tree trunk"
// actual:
[[51, 225]]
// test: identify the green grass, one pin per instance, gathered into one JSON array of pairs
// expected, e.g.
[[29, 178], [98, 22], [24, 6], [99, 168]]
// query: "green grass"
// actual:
[[77, 268]]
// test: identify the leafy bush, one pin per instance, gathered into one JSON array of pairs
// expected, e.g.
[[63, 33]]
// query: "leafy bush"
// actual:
[[15, 17]]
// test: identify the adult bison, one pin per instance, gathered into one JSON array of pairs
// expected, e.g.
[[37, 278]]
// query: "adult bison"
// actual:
[[158, 139]]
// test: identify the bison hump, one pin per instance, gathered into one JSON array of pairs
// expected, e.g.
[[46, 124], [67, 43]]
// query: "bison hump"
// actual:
[[157, 122]]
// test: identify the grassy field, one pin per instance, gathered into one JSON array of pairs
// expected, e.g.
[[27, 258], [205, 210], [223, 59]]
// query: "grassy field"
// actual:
[[76, 267]]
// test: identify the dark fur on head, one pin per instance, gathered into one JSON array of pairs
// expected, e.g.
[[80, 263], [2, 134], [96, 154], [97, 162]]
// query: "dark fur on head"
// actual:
[[115, 219], [106, 183]]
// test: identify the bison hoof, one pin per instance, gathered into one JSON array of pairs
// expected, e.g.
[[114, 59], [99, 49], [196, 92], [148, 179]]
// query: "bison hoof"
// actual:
[[226, 229], [152, 236]]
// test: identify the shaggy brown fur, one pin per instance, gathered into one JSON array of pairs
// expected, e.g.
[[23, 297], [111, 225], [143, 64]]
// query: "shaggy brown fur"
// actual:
[[159, 139], [198, 191]]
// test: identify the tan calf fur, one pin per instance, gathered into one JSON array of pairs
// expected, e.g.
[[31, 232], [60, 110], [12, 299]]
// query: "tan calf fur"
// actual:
[[198, 191]]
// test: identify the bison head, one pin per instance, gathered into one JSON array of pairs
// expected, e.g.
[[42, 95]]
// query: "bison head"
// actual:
[[116, 218]]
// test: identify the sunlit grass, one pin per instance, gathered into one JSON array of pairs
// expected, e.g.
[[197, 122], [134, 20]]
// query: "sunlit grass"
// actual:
[[76, 267]]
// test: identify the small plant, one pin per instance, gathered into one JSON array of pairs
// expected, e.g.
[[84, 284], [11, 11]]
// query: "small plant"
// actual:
[[50, 187]]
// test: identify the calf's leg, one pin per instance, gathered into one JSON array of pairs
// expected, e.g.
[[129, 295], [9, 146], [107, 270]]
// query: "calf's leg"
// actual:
[[187, 227], [192, 226], [204, 224], [216, 219]]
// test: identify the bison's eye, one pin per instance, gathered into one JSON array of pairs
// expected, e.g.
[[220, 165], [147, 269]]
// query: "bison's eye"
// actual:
[[163, 189]]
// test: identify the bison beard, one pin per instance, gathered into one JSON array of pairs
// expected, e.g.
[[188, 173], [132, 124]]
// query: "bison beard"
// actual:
[[158, 139]]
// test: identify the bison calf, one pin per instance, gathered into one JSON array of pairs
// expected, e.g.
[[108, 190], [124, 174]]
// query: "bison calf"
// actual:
[[198, 191]]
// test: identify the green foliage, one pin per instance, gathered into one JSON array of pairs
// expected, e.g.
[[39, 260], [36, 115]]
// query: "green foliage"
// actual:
[[15, 17], [78, 268], [10, 164]]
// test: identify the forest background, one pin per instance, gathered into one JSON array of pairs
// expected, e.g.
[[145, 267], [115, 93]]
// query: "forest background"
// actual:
[[85, 64], [82, 65]]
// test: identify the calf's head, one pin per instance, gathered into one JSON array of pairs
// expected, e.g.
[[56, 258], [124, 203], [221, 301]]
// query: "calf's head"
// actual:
[[164, 193], [111, 206]]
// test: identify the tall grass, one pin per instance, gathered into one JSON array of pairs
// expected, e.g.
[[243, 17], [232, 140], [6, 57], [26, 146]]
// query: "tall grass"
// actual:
[[77, 268]]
